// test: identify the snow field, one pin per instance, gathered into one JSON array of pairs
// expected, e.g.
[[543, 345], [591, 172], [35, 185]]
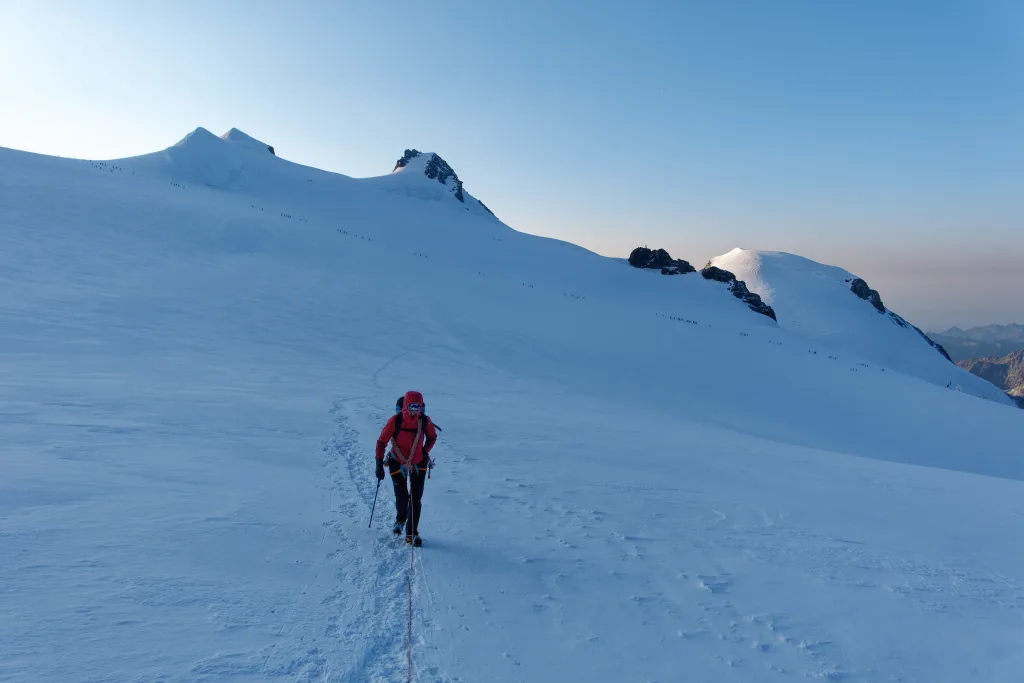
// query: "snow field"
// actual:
[[198, 357]]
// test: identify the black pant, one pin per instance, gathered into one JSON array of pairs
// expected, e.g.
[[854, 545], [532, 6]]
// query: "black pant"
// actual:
[[403, 503]]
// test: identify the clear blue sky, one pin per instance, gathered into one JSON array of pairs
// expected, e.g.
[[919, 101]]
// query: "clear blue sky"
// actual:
[[884, 137]]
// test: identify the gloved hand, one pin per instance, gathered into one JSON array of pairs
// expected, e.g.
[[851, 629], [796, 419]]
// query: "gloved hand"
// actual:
[[427, 462], [380, 470]]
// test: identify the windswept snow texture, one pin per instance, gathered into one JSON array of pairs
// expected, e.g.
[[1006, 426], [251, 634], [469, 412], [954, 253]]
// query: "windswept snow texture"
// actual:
[[638, 479], [815, 300]]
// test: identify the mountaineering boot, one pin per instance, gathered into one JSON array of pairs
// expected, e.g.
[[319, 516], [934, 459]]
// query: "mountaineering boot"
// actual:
[[397, 528], [414, 539]]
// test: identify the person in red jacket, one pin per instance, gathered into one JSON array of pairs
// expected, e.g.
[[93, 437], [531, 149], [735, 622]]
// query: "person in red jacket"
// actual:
[[411, 435]]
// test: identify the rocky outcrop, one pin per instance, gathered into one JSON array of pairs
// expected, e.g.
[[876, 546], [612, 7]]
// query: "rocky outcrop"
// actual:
[[861, 289], [437, 169], [409, 155], [1006, 372], [270, 149], [752, 300], [659, 259], [738, 289], [717, 274]]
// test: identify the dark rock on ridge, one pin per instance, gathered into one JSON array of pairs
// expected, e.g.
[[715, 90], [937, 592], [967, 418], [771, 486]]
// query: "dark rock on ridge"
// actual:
[[861, 289], [437, 169], [659, 259], [902, 322], [752, 300], [738, 289], [717, 274]]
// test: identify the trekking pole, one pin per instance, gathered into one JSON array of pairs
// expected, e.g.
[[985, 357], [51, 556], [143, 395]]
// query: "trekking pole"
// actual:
[[374, 504]]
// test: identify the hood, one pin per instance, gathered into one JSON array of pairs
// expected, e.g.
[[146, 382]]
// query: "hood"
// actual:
[[411, 397]]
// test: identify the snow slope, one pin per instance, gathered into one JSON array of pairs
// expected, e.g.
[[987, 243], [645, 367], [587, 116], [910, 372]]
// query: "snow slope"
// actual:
[[815, 300], [639, 479]]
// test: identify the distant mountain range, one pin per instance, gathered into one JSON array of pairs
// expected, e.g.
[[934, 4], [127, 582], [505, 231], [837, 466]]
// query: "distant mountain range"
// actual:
[[1006, 372], [980, 342]]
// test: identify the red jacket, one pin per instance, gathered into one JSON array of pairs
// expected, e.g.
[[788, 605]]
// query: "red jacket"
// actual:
[[402, 443]]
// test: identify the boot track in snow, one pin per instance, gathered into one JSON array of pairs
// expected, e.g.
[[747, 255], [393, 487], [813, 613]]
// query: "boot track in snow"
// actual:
[[377, 585]]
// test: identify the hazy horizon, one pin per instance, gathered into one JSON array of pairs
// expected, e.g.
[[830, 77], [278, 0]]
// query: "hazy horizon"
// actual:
[[886, 140]]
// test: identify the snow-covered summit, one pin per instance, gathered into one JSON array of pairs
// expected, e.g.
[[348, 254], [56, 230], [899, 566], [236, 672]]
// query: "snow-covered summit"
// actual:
[[433, 167], [235, 135], [199, 136], [428, 176], [234, 161], [427, 163], [831, 304], [203, 139]]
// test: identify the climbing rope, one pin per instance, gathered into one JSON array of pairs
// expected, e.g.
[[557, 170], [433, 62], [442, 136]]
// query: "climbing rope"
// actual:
[[407, 469], [409, 584]]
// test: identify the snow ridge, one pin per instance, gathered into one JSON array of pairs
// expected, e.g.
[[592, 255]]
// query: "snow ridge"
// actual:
[[830, 304], [202, 139], [235, 135]]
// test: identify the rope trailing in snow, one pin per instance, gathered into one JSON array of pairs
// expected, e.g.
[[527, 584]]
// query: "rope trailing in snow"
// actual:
[[412, 520], [412, 566], [407, 470], [409, 583]]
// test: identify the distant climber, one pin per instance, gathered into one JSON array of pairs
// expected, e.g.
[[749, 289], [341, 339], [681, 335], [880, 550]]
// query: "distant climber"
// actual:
[[411, 435]]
